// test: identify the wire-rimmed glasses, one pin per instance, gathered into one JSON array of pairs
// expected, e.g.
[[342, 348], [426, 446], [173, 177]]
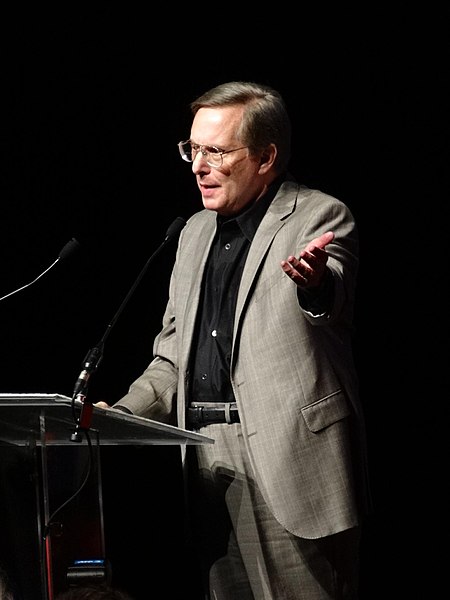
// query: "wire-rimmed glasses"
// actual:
[[213, 155]]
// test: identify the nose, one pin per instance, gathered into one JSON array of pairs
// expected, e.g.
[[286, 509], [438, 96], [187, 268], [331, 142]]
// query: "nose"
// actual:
[[199, 163]]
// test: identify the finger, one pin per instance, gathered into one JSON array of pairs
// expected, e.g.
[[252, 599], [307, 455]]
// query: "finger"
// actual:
[[101, 404], [299, 272], [316, 258]]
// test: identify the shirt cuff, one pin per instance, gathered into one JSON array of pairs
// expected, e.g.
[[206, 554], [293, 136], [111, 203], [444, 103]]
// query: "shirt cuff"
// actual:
[[319, 300]]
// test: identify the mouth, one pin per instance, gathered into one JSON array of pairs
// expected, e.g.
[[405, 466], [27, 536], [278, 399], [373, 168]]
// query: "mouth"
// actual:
[[205, 188], [202, 184]]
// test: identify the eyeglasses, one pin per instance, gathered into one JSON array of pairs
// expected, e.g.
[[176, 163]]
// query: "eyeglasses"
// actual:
[[213, 155]]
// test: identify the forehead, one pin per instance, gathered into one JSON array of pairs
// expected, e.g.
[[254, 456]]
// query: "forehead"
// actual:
[[216, 126]]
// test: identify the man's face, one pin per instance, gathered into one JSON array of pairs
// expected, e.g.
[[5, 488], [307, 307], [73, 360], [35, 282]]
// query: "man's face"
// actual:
[[227, 189]]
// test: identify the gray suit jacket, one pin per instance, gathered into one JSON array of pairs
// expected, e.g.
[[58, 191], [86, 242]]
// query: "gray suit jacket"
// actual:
[[292, 372]]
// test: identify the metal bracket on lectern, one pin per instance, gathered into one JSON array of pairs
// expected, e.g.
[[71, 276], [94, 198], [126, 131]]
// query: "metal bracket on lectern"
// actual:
[[85, 418]]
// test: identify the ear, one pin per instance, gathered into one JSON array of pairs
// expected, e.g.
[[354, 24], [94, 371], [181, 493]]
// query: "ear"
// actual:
[[267, 158]]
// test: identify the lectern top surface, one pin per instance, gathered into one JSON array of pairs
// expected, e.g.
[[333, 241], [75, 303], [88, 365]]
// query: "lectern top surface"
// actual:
[[23, 398], [48, 419]]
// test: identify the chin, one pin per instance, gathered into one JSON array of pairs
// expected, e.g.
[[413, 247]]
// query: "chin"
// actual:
[[210, 204]]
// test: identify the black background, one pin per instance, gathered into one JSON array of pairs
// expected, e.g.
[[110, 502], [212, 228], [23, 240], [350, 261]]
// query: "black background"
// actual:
[[93, 105]]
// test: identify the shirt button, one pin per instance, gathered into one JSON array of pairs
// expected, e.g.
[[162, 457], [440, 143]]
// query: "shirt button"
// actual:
[[227, 246], [204, 376], [214, 332]]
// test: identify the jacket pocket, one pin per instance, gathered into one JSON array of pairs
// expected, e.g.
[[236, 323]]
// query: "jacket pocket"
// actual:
[[326, 411]]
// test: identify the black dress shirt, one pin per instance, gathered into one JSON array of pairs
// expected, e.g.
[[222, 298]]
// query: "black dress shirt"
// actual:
[[211, 357]]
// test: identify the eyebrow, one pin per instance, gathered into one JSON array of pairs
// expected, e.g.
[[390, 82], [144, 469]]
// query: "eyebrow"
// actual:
[[207, 146]]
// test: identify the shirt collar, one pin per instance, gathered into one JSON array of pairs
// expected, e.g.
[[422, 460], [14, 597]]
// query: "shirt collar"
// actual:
[[249, 220]]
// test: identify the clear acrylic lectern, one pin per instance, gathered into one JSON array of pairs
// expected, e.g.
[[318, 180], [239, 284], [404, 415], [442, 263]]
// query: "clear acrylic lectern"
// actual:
[[39, 457]]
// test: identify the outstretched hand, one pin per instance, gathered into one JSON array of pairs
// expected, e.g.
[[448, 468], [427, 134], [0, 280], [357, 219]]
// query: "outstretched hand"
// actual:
[[308, 270]]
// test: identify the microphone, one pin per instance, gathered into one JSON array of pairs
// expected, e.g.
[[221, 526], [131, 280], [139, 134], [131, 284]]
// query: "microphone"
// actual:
[[95, 354], [175, 228], [67, 251]]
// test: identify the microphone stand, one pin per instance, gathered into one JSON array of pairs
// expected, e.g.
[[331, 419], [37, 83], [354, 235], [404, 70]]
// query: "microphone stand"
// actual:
[[66, 252], [95, 354]]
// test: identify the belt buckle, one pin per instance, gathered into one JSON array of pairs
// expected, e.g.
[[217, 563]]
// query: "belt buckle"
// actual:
[[197, 418]]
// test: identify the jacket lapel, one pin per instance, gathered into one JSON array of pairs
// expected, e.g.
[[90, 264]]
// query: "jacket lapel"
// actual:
[[281, 207]]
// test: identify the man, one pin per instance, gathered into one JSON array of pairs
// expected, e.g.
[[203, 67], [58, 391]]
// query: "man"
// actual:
[[256, 352]]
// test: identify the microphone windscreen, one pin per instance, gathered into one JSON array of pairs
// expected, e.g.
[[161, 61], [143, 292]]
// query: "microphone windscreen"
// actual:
[[69, 249], [175, 228]]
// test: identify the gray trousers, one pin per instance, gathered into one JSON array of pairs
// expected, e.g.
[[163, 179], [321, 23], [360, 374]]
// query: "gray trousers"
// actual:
[[245, 553]]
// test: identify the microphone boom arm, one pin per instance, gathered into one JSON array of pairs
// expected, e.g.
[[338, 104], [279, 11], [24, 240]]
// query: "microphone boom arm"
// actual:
[[95, 354]]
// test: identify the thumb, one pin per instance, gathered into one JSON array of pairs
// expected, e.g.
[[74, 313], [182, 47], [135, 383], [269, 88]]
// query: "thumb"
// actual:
[[321, 241]]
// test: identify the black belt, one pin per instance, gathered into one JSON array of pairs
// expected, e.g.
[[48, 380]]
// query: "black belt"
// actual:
[[199, 414]]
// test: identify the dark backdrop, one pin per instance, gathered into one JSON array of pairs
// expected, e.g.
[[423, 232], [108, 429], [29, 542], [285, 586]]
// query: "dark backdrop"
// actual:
[[93, 105]]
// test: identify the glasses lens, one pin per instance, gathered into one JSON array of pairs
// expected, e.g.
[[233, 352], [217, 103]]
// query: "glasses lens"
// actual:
[[185, 149], [213, 156]]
